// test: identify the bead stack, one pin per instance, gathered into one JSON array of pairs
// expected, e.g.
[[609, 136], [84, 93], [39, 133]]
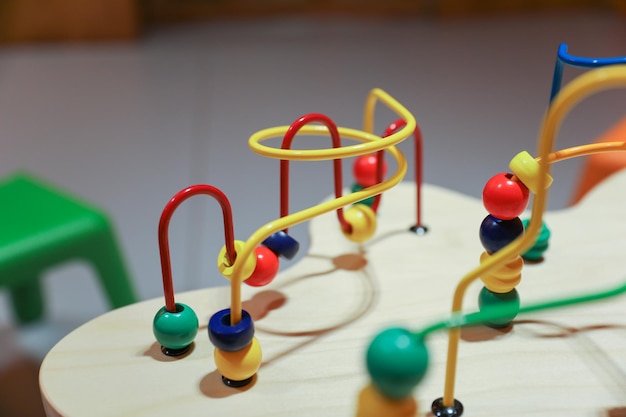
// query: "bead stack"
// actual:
[[237, 352], [505, 197]]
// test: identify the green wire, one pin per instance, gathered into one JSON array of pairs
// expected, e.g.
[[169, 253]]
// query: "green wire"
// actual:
[[497, 312]]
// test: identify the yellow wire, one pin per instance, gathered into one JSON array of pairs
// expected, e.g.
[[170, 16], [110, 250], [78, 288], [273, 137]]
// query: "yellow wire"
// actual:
[[591, 82], [370, 143]]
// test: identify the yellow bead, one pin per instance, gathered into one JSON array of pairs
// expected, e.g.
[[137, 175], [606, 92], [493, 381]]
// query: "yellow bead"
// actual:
[[362, 219], [371, 403], [526, 168], [506, 277], [241, 364], [226, 268]]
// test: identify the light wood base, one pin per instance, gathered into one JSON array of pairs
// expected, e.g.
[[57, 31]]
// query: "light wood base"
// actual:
[[315, 321]]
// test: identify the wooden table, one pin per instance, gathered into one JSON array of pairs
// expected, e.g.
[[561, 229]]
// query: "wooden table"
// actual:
[[316, 319]]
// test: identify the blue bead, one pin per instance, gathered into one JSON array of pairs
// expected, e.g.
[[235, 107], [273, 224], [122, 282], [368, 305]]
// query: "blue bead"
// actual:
[[282, 244], [496, 233], [227, 337]]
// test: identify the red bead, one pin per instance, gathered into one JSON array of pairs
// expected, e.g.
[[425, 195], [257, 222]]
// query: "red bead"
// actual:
[[364, 169], [266, 267], [504, 197]]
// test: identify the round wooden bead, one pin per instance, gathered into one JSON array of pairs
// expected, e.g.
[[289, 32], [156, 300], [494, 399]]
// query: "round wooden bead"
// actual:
[[526, 168], [227, 337], [362, 220], [175, 331], [266, 268], [497, 233], [239, 365], [504, 278], [397, 361], [504, 305], [504, 197], [226, 268], [368, 201], [365, 168], [282, 244], [535, 253]]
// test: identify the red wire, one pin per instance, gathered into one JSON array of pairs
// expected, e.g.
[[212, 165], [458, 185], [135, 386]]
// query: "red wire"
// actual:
[[284, 164], [164, 246], [417, 134]]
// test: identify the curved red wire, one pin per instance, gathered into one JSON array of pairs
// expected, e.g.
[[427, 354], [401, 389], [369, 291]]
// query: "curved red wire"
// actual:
[[164, 246], [284, 164], [417, 134]]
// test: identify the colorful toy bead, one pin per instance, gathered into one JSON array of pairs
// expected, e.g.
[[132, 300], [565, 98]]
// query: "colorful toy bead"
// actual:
[[396, 361], [282, 244], [266, 268], [238, 368], [175, 331], [506, 277], [526, 168], [535, 253], [496, 233], [368, 201], [362, 220], [371, 403], [490, 300], [227, 337], [504, 197], [226, 268], [365, 168]]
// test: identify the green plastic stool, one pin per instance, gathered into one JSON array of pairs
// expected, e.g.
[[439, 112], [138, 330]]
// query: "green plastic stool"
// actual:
[[42, 226]]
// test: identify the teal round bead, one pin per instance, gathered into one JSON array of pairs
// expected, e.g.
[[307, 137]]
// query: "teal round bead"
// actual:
[[175, 330], [535, 253], [397, 361], [368, 201], [508, 303]]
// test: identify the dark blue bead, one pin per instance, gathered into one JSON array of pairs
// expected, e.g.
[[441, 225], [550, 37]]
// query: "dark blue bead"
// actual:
[[227, 337], [282, 244], [496, 233]]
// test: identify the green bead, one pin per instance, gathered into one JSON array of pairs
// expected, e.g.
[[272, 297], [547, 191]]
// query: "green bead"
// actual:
[[396, 361], [535, 253], [504, 305], [368, 201], [175, 330]]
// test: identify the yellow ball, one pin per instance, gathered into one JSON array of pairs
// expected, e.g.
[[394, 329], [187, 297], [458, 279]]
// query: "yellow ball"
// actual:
[[506, 277], [226, 268], [526, 168], [239, 365], [362, 219]]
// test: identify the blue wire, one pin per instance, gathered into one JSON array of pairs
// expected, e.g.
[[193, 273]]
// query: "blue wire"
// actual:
[[562, 58]]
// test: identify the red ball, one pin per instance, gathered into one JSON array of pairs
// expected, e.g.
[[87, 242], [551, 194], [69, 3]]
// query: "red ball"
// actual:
[[504, 197], [364, 169], [266, 267]]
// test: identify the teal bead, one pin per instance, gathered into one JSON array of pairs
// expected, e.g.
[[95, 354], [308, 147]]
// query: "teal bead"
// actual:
[[488, 300], [175, 331], [535, 253], [397, 361], [368, 201]]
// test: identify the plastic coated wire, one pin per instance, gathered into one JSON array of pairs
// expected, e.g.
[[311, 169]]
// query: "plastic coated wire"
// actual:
[[164, 246], [563, 57], [369, 143], [591, 82], [284, 164]]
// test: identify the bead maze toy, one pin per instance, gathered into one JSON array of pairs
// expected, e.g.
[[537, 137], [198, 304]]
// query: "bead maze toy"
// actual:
[[351, 302]]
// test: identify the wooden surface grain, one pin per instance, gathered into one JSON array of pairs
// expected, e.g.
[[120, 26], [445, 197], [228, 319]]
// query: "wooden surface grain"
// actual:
[[316, 319]]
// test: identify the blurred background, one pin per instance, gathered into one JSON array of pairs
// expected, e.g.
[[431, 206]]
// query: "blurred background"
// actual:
[[125, 102]]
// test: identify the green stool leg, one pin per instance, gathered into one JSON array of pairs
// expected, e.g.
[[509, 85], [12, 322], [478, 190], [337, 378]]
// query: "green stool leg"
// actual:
[[106, 258], [27, 300]]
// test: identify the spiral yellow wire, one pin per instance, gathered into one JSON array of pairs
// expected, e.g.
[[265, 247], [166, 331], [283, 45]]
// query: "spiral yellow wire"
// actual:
[[368, 143]]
